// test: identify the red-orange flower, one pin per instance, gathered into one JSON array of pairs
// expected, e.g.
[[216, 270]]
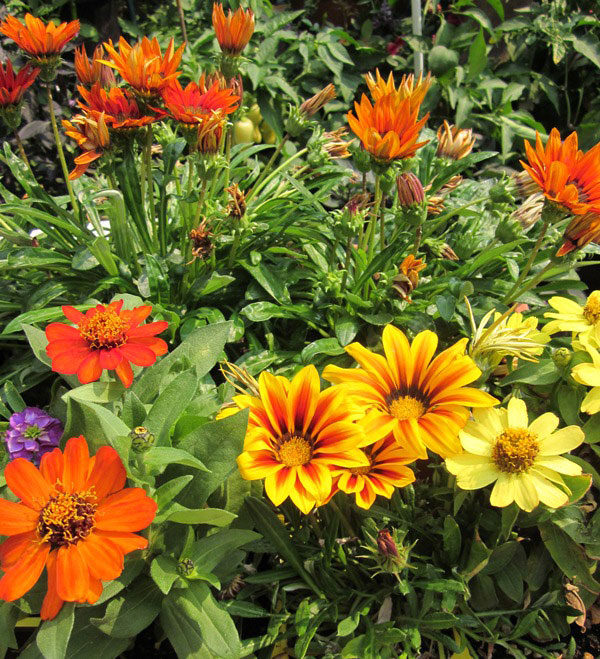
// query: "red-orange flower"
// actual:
[[91, 135], [143, 66], [105, 338], [12, 87], [582, 230], [121, 110], [408, 87], [75, 519], [567, 176], [388, 129], [89, 72], [196, 102], [233, 31], [38, 39]]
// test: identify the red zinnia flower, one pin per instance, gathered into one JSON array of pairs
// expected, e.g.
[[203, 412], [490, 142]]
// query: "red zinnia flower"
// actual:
[[38, 39], [75, 519], [12, 87], [105, 338]]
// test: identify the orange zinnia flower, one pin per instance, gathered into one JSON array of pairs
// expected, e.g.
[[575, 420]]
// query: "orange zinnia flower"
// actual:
[[582, 230], [196, 102], [143, 65], [233, 31], [105, 338], [296, 435], [90, 72], [388, 129], [38, 39], [566, 176], [420, 401], [12, 87], [91, 135], [121, 110], [406, 89], [75, 519], [385, 472]]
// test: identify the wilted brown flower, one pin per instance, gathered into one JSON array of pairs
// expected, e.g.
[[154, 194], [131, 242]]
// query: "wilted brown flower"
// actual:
[[410, 190], [448, 253], [435, 204], [524, 185], [454, 142], [201, 243], [312, 105], [530, 211], [358, 202], [236, 208], [407, 279], [335, 146]]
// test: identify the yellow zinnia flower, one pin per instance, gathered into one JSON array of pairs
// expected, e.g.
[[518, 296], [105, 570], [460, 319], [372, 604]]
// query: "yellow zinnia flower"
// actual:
[[522, 459], [572, 317], [297, 435], [589, 375], [419, 400]]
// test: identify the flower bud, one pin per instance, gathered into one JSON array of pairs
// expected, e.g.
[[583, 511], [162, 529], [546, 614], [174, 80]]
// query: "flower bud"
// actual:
[[410, 190], [508, 229], [453, 142], [185, 567], [312, 105], [386, 545], [297, 122], [142, 439], [562, 357]]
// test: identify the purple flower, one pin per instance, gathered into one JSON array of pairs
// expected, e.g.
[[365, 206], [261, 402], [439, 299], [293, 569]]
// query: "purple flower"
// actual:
[[31, 433]]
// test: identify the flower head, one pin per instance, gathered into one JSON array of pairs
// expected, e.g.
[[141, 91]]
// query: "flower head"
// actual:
[[75, 519], [91, 135], [92, 72], [143, 66], [32, 433], [12, 87], [315, 103], [334, 144], [39, 40], [233, 31], [297, 435], [105, 338], [582, 230], [407, 279], [568, 177], [197, 102], [523, 460], [408, 87], [420, 400], [454, 142], [588, 374], [572, 317]]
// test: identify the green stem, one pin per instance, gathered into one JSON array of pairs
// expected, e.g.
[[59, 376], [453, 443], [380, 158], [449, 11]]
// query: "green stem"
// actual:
[[236, 244], [343, 519], [148, 169], [346, 263], [382, 225], [274, 173], [200, 203], [267, 168], [21, 148], [534, 280], [59, 149], [182, 22], [418, 236], [522, 276], [228, 166]]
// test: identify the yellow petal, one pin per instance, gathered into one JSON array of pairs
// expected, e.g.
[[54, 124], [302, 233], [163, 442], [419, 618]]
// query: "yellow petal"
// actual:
[[549, 494], [526, 495], [559, 464], [517, 413], [586, 374], [504, 490], [591, 403], [562, 441], [475, 476], [474, 444], [544, 425]]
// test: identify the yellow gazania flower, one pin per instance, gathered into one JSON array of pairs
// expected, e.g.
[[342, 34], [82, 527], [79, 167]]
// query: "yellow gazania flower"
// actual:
[[524, 460], [297, 434], [572, 317], [589, 375], [420, 400], [408, 88]]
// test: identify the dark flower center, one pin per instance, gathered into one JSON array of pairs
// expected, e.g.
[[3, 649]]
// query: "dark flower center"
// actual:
[[67, 518]]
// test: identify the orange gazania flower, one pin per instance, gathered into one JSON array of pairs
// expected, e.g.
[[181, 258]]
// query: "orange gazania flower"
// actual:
[[143, 66], [121, 110], [75, 519], [388, 129], [12, 87], [90, 72], [105, 338], [297, 435], [420, 401], [210, 134], [566, 176], [407, 88], [233, 32], [38, 39], [194, 103], [582, 230], [91, 135], [386, 471]]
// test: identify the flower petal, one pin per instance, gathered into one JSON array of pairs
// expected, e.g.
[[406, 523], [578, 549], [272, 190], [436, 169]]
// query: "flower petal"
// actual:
[[72, 574], [130, 509], [504, 490], [103, 558], [76, 465], [517, 413], [23, 575], [26, 482], [108, 473], [16, 518], [52, 603], [562, 441]]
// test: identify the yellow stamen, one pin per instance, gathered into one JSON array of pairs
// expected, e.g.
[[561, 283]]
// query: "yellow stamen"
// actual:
[[515, 450], [591, 311], [67, 518], [407, 407], [360, 471], [295, 451], [105, 329]]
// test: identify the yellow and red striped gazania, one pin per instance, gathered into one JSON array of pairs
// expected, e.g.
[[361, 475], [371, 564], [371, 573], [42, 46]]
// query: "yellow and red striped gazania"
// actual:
[[582, 230], [408, 394], [408, 87], [12, 87], [388, 128], [38, 39], [75, 519], [143, 66], [91, 135], [567, 176], [194, 103], [233, 31], [297, 435]]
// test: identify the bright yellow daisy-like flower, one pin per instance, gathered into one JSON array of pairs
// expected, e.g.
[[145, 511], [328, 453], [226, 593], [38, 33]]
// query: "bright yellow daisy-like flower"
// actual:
[[572, 317], [589, 375], [523, 460], [420, 400], [297, 435]]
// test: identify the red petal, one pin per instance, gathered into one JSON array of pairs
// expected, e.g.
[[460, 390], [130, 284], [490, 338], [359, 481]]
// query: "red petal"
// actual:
[[52, 603], [17, 518], [70, 361], [58, 346], [137, 316], [90, 369], [158, 346], [51, 466], [138, 355], [72, 574], [125, 373], [12, 549], [76, 465], [150, 329], [22, 576], [110, 359], [61, 331], [103, 558], [72, 314]]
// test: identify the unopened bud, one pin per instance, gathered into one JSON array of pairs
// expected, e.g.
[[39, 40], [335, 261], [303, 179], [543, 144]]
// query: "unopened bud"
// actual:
[[410, 190], [297, 122], [142, 439], [312, 105], [454, 142], [386, 545], [508, 229], [562, 357], [185, 567]]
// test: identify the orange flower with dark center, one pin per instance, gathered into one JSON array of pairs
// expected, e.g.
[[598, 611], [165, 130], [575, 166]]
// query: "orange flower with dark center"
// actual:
[[582, 230], [75, 519], [90, 72], [121, 110], [91, 135], [105, 338], [196, 102], [567, 176], [143, 66], [233, 31], [407, 88], [12, 87], [388, 129], [38, 39]]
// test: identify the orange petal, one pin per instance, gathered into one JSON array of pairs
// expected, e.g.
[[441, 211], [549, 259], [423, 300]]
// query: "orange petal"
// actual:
[[52, 603], [90, 369], [125, 373], [108, 473], [13, 548], [51, 466], [130, 509], [104, 559], [27, 483], [76, 464], [72, 574], [127, 542], [23, 575], [16, 518], [94, 590]]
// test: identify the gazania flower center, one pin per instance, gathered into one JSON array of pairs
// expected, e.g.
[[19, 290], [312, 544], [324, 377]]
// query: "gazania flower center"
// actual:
[[406, 407], [67, 518], [591, 311], [104, 330], [360, 471], [515, 450], [295, 451]]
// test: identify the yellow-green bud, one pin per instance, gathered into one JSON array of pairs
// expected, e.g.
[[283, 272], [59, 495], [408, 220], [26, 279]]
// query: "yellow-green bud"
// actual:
[[142, 439]]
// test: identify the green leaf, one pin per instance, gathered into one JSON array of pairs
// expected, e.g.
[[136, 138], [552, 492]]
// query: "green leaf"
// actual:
[[446, 304], [477, 56], [500, 557], [133, 413], [182, 631], [163, 570], [182, 515], [13, 397], [540, 373], [169, 490], [133, 567], [87, 641], [510, 581], [274, 284], [452, 540], [479, 555], [53, 636], [8, 617], [330, 347], [214, 283], [346, 328], [442, 59], [588, 45], [38, 342], [96, 392], [578, 485], [208, 552]]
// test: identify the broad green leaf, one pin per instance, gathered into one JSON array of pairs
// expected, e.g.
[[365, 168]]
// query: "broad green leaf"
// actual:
[[96, 392], [477, 56], [13, 397], [182, 631], [161, 456], [169, 490], [542, 372], [163, 571], [133, 567], [213, 516], [88, 641], [53, 636], [452, 540], [208, 552]]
